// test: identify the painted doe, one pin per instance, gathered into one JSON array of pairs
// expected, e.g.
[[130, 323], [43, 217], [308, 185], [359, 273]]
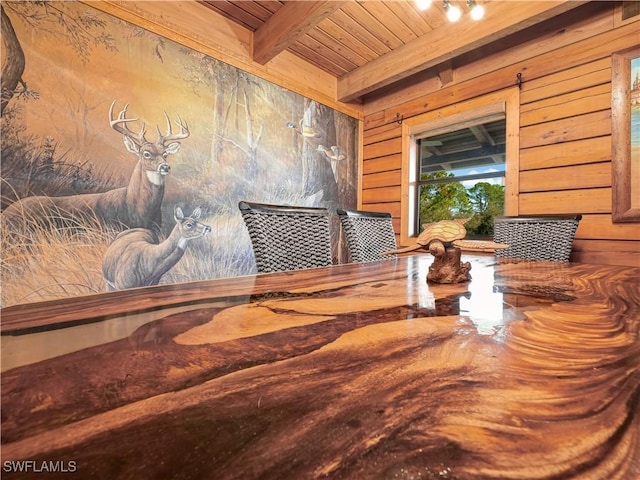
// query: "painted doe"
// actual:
[[137, 258]]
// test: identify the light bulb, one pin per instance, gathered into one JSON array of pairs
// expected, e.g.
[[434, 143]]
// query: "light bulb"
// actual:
[[477, 10], [453, 12], [423, 4]]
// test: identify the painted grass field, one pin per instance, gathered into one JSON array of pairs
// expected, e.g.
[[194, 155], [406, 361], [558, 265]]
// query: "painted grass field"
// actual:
[[44, 264]]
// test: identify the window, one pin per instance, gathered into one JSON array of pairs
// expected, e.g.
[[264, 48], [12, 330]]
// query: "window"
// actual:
[[489, 127], [461, 174]]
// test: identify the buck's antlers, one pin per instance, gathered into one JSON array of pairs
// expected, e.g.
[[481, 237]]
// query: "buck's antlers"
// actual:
[[170, 136], [120, 125]]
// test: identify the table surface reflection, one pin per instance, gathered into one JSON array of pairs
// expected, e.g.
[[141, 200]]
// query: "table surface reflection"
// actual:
[[529, 371]]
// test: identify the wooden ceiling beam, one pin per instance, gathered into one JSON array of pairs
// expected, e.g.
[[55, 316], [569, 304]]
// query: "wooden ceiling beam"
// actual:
[[291, 21], [448, 41]]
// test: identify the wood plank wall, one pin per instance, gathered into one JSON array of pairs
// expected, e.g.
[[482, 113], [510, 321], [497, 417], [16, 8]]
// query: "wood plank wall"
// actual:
[[565, 126]]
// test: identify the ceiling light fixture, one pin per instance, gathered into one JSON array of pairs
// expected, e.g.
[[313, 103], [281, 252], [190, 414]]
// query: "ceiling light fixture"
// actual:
[[423, 4], [476, 10], [453, 12]]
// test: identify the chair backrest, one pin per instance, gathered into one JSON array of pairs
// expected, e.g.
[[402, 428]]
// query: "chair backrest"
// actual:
[[546, 237], [287, 237], [367, 234]]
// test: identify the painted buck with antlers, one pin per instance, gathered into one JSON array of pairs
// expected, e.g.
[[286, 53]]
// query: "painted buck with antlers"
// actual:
[[136, 205], [137, 258]]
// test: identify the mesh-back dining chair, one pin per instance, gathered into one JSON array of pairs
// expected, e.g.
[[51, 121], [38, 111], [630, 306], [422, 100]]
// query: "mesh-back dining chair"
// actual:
[[367, 234], [546, 237], [287, 237]]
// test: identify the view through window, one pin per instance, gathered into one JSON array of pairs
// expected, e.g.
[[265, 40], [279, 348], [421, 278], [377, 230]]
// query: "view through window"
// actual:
[[461, 173]]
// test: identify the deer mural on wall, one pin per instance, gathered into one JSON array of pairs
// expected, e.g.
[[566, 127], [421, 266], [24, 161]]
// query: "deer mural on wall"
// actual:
[[137, 258], [136, 205]]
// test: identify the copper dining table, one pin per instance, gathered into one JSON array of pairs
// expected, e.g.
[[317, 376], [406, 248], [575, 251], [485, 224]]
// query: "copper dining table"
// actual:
[[531, 370]]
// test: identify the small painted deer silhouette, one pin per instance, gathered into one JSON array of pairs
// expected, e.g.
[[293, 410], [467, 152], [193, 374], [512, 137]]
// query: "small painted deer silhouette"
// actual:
[[137, 258]]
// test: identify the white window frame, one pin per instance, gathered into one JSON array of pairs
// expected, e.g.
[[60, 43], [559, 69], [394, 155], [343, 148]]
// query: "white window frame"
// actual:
[[453, 117]]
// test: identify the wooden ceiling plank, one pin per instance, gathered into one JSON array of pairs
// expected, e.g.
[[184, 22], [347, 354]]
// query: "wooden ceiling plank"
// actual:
[[259, 9], [335, 57], [234, 11], [359, 13], [435, 15], [334, 46], [287, 25], [345, 38], [311, 56], [410, 16], [450, 40], [387, 17], [358, 31], [271, 5]]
